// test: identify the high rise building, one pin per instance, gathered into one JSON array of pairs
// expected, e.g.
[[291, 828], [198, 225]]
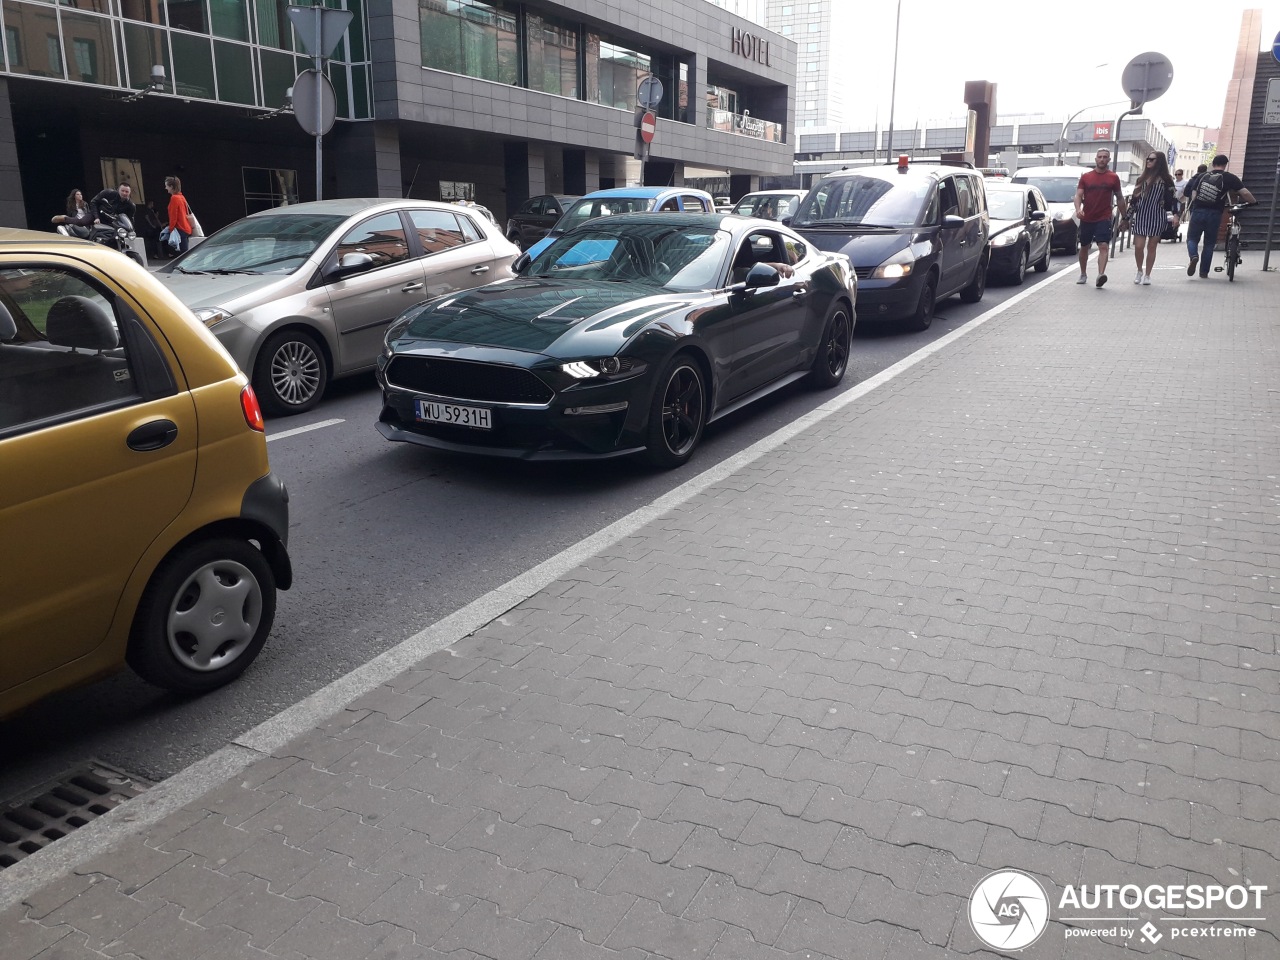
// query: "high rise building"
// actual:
[[752, 10], [821, 73]]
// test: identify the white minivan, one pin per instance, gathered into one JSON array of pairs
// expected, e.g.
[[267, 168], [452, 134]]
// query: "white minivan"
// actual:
[[1058, 184]]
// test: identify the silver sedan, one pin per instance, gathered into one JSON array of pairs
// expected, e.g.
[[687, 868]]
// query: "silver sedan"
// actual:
[[302, 294]]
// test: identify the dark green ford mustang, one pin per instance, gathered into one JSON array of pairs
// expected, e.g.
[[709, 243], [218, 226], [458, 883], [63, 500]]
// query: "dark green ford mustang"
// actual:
[[626, 336]]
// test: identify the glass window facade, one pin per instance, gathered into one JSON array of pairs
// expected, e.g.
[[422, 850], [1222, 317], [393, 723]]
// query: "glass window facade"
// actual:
[[470, 37], [553, 55], [231, 51], [614, 72]]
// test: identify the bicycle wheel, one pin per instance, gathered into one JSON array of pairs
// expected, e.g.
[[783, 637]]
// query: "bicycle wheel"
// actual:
[[1233, 254]]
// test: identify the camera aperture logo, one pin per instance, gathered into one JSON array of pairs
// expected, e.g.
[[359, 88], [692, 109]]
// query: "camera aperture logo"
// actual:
[[1008, 910]]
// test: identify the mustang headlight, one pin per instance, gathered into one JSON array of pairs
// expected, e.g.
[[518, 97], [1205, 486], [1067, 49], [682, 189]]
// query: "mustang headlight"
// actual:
[[1005, 239], [212, 316], [603, 367], [896, 267]]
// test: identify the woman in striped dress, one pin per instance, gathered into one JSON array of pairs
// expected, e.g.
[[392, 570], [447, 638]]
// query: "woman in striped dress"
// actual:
[[1153, 207]]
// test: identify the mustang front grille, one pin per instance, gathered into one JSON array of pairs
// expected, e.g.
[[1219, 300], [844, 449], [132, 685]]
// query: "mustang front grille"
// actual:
[[467, 380]]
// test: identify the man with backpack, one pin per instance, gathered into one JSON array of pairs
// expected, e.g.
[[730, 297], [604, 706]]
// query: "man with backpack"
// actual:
[[1206, 199]]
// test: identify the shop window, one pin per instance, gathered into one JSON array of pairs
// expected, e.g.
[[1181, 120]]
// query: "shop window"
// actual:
[[266, 187]]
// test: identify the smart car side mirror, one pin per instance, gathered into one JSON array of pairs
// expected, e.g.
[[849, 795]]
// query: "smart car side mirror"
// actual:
[[952, 222], [350, 264]]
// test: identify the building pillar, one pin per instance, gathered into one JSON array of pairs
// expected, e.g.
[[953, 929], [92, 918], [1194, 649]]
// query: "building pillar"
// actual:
[[13, 211], [364, 161], [526, 176]]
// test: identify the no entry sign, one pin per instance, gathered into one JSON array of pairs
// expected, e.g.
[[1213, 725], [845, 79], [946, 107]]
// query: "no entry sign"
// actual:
[[648, 125]]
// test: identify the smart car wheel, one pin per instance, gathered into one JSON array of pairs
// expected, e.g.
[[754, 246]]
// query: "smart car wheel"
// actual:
[[923, 317], [204, 616], [677, 413], [832, 359], [291, 373]]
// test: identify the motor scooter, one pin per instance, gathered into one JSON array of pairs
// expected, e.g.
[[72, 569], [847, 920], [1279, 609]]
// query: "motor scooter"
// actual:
[[115, 232]]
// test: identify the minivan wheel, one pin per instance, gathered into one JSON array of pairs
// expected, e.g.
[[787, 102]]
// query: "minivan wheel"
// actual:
[[204, 616], [291, 373], [923, 317], [978, 286]]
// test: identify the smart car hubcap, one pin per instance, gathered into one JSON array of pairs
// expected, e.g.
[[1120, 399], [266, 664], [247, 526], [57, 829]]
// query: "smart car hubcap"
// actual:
[[214, 616], [295, 372], [682, 410]]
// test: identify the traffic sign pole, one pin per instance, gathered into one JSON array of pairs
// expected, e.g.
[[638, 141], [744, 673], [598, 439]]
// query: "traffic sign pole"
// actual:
[[319, 31]]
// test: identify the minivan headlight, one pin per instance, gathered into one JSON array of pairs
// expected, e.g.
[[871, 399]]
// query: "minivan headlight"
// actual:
[[896, 267]]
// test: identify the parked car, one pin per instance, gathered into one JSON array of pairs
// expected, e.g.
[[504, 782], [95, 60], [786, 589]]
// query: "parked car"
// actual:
[[140, 518], [722, 204], [1058, 184], [1021, 232], [567, 362], [916, 234], [606, 203], [304, 293], [769, 204], [535, 218]]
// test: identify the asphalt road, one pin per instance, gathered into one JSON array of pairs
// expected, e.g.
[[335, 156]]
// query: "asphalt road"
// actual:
[[386, 539]]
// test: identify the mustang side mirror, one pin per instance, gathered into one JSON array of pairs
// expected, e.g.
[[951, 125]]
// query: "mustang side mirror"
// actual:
[[349, 264], [760, 275], [952, 222], [519, 263], [1038, 215]]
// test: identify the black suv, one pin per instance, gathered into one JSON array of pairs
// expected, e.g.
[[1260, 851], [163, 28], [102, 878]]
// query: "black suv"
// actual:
[[916, 233], [535, 218]]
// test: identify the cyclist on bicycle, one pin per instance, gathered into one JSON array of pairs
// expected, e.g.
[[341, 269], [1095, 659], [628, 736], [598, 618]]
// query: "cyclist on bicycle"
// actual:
[[1206, 197]]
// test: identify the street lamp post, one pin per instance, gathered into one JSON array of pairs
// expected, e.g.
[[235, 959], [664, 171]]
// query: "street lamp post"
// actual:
[[893, 89], [1062, 137]]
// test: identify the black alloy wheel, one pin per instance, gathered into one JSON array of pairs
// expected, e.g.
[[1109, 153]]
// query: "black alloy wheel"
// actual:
[[1020, 270], [832, 359], [677, 413], [923, 317]]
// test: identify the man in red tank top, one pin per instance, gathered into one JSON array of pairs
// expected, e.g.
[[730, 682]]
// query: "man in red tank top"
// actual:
[[1094, 195]]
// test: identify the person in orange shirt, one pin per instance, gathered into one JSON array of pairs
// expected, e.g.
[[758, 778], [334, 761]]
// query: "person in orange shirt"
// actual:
[[179, 214]]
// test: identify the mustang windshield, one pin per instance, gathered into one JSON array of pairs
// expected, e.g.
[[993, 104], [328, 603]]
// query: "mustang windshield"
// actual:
[[864, 201], [670, 256], [274, 244]]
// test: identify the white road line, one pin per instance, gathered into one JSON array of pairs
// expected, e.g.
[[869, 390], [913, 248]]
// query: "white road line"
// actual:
[[29, 875], [297, 430]]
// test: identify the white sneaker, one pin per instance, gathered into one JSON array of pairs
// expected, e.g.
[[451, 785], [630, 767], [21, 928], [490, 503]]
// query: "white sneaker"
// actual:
[[1137, 277], [1083, 279], [1146, 280]]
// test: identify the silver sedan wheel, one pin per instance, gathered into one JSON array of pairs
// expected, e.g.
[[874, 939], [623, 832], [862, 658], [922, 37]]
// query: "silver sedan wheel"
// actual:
[[214, 616], [295, 372]]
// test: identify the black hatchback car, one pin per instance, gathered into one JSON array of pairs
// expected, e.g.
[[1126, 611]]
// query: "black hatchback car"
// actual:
[[535, 218], [915, 233]]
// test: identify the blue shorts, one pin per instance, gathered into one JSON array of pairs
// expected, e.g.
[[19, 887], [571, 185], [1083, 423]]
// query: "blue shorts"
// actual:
[[1099, 232]]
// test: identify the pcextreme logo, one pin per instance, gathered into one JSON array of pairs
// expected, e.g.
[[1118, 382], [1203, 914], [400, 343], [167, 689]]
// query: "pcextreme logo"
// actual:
[[1009, 911]]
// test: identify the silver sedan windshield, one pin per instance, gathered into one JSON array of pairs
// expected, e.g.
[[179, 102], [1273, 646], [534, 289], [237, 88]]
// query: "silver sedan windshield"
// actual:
[[280, 243]]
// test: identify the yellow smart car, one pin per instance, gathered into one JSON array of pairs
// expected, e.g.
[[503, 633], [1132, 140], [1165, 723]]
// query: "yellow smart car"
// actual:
[[139, 517]]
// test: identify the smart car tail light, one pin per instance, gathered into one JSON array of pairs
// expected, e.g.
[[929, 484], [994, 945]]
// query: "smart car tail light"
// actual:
[[252, 411]]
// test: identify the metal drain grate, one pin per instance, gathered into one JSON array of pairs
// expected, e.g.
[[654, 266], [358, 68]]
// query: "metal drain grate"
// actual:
[[62, 807]]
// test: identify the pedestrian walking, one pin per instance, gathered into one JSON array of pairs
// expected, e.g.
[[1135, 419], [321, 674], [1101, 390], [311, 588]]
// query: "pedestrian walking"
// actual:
[[1097, 190], [1153, 208], [179, 215], [1207, 197], [1179, 188]]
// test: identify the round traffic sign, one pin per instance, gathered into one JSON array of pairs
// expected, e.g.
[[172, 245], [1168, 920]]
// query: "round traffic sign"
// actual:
[[314, 103], [649, 93], [648, 126], [1275, 47], [1147, 76]]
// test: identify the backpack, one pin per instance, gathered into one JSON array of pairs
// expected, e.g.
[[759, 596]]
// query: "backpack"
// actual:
[[1209, 189]]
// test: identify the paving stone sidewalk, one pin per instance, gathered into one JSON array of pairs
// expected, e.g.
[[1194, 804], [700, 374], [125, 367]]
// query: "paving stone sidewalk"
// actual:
[[1014, 608]]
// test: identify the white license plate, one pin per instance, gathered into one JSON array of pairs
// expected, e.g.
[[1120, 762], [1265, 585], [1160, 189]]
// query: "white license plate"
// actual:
[[479, 418]]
